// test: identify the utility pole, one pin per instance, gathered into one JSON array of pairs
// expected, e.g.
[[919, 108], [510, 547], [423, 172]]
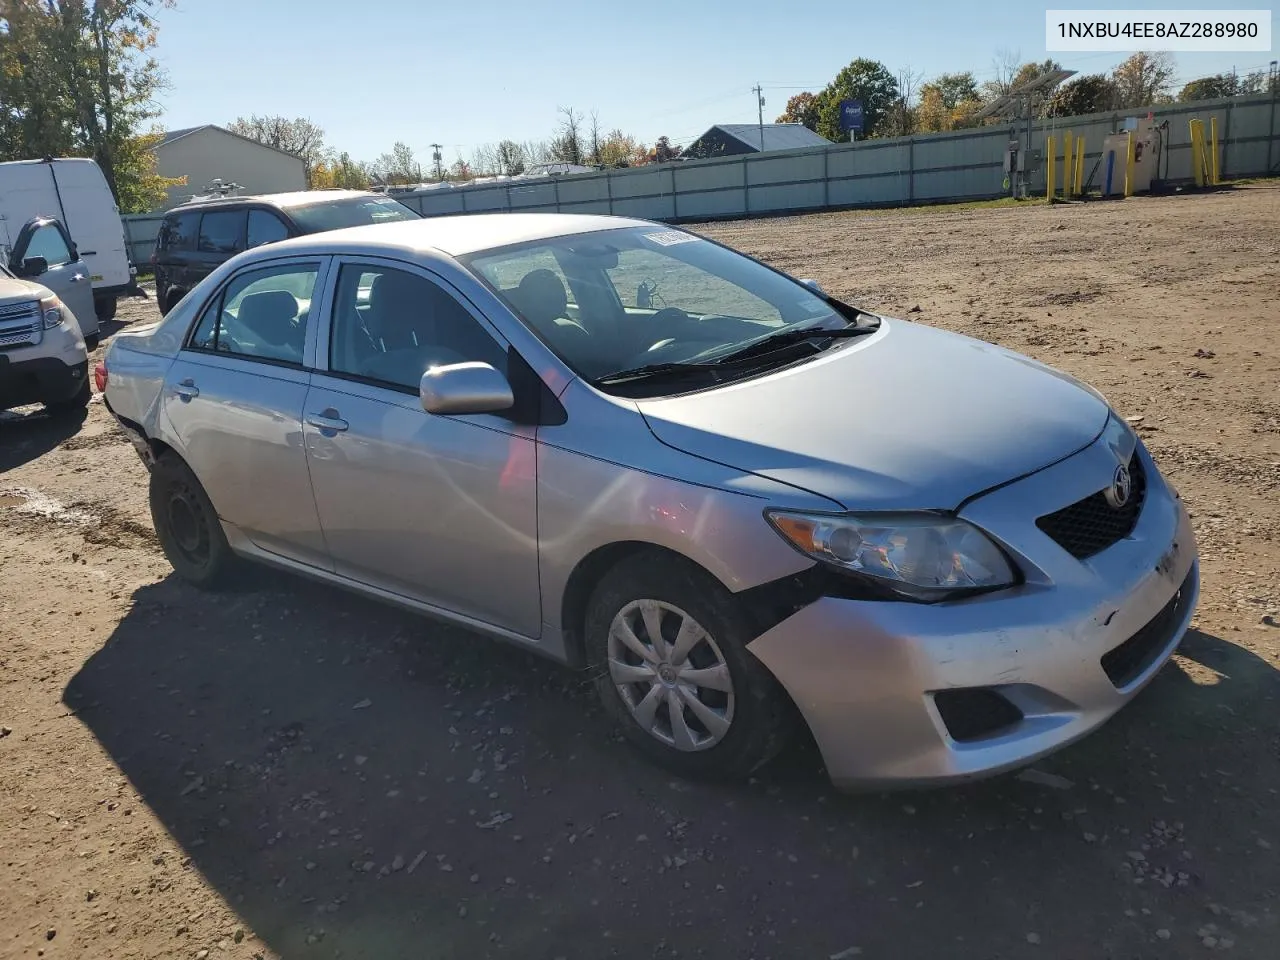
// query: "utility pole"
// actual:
[[435, 155], [759, 92]]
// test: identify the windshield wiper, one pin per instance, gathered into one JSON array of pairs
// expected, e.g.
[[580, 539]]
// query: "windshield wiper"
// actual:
[[652, 370], [786, 338]]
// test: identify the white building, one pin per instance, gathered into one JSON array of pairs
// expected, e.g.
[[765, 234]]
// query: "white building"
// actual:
[[207, 153]]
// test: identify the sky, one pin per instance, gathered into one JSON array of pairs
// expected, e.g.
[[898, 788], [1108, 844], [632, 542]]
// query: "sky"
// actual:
[[466, 74]]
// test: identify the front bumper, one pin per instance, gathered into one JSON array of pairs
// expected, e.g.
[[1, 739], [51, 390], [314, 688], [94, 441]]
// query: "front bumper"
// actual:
[[39, 380], [866, 674]]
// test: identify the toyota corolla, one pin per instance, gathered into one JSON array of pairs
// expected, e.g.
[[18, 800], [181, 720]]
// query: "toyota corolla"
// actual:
[[739, 502]]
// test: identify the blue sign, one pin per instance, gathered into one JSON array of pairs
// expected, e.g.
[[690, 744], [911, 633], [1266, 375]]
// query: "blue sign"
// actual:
[[851, 116]]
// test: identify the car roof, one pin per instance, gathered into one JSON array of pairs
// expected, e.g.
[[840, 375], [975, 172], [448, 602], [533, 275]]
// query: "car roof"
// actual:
[[282, 201], [455, 235]]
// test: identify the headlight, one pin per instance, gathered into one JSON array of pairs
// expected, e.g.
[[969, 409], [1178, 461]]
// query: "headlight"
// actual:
[[51, 310], [922, 555]]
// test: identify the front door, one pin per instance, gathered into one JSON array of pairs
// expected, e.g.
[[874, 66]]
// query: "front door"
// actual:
[[67, 275], [234, 397], [442, 509]]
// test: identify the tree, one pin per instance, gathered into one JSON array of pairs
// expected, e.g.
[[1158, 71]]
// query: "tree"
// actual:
[[139, 189], [341, 173], [1093, 93], [566, 146], [867, 80], [594, 140], [901, 119], [1228, 85], [511, 158], [77, 78], [802, 109], [299, 137], [399, 166], [1004, 66], [1033, 71], [947, 102], [1142, 80], [663, 151], [620, 149]]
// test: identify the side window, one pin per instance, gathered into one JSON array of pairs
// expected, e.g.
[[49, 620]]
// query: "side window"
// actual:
[[265, 227], [391, 325], [222, 232], [47, 241], [646, 279], [178, 232], [260, 314], [512, 275]]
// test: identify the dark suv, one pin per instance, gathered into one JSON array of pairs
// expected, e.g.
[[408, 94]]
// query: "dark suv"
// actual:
[[197, 237]]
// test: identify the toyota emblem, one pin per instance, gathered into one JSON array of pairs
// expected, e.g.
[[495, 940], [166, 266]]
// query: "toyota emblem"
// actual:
[[1121, 487]]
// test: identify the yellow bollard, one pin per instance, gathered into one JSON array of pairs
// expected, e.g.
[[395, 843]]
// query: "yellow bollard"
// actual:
[[1068, 166], [1213, 151], [1050, 160], [1197, 152], [1079, 185], [1128, 164]]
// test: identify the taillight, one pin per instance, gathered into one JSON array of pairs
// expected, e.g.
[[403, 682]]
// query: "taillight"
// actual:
[[100, 377]]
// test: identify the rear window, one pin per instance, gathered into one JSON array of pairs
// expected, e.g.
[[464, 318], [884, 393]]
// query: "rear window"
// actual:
[[350, 212], [179, 231]]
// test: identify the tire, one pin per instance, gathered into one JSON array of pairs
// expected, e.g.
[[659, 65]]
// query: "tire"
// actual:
[[105, 308], [187, 526], [730, 732], [172, 299], [76, 405]]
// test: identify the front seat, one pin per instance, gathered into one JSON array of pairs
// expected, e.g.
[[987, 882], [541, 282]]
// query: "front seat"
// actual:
[[542, 299], [271, 318]]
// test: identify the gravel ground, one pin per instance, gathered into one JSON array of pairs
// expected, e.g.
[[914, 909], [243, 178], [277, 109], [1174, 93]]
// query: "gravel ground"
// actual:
[[289, 771]]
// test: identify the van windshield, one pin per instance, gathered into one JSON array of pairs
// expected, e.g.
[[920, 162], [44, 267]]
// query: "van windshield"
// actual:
[[351, 212]]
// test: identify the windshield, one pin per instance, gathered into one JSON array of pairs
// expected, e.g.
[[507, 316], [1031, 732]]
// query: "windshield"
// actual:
[[620, 299], [352, 212]]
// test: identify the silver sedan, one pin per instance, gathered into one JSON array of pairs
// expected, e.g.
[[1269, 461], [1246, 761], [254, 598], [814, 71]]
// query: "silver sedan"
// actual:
[[740, 503]]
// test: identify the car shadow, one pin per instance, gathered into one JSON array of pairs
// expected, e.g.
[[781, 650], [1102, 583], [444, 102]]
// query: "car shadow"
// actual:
[[359, 782], [30, 433]]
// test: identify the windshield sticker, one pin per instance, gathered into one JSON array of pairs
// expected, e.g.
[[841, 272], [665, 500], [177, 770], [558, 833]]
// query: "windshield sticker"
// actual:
[[669, 238], [814, 305]]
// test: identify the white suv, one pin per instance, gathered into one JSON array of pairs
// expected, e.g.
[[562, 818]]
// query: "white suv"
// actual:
[[42, 354]]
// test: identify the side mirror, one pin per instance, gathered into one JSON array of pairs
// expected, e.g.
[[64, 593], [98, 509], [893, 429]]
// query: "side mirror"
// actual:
[[33, 267], [465, 388], [813, 285]]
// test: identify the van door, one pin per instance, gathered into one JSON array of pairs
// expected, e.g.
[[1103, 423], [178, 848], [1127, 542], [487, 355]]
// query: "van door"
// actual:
[[91, 217], [65, 272]]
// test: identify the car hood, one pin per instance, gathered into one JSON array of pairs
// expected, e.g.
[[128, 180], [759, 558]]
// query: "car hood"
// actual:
[[909, 418]]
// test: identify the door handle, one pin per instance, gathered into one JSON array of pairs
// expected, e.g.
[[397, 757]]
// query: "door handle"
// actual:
[[327, 420], [187, 390]]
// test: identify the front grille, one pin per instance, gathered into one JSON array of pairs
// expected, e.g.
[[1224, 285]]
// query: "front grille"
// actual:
[[20, 324], [1089, 526], [1131, 659], [975, 712]]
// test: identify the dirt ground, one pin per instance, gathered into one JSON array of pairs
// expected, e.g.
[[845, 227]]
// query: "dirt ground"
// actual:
[[289, 771]]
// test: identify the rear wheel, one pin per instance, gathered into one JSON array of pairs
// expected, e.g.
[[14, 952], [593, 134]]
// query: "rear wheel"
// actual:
[[667, 645], [105, 308], [187, 525]]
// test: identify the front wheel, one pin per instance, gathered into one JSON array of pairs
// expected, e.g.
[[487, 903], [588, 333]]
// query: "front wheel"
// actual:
[[75, 405], [667, 645], [187, 525]]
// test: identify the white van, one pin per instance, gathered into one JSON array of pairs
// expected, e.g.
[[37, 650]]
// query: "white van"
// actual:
[[75, 192]]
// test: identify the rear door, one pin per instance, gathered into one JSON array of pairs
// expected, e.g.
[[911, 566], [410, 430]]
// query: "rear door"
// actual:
[[221, 236], [67, 274], [91, 217], [234, 398]]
